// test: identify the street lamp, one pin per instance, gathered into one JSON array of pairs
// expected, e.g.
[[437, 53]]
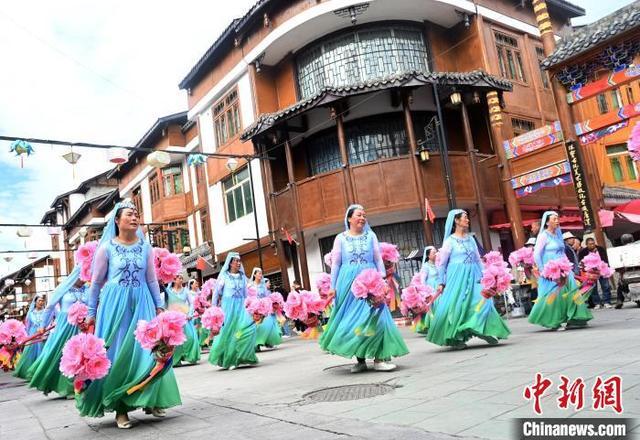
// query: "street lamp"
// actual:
[[232, 165]]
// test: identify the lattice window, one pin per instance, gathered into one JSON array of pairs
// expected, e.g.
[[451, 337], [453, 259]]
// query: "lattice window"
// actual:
[[616, 99], [362, 55], [509, 57], [226, 118], [154, 188], [603, 105], [521, 126], [172, 178], [136, 198], [544, 76]]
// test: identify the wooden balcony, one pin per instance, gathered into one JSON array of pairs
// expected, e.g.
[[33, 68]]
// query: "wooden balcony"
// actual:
[[170, 208]]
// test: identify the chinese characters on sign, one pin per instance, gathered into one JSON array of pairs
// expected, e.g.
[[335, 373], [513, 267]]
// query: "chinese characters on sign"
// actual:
[[605, 393], [579, 181]]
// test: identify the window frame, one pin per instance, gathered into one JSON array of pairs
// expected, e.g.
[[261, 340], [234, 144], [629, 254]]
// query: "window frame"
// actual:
[[171, 179], [237, 185], [516, 50], [224, 132], [624, 159], [544, 75], [154, 188], [516, 132]]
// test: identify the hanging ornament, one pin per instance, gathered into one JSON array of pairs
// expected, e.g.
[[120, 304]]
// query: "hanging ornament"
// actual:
[[21, 148], [54, 230], [159, 159], [32, 255], [117, 155], [9, 282], [73, 159], [24, 231], [27, 282], [7, 258], [196, 159]]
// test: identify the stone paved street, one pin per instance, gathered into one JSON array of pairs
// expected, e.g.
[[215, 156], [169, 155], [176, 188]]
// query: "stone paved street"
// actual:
[[436, 393]]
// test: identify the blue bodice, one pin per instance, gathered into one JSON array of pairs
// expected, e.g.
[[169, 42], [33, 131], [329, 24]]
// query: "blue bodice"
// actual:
[[35, 319], [234, 286], [127, 264], [72, 296], [457, 252]]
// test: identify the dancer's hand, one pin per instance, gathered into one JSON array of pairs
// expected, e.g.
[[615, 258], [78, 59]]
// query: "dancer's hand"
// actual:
[[89, 321], [41, 330], [440, 289], [159, 310]]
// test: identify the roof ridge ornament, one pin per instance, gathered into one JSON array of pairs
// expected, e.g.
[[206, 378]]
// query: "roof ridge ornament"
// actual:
[[352, 11]]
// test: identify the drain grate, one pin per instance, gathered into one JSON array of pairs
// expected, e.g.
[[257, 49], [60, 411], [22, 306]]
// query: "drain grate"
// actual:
[[348, 392]]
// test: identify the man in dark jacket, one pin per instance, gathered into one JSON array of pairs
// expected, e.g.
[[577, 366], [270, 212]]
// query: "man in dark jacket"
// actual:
[[603, 301], [569, 252]]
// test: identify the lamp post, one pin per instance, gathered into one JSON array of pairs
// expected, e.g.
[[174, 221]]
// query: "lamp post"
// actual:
[[232, 165]]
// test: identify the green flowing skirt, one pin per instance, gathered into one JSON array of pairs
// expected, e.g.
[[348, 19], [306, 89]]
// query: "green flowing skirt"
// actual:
[[236, 343], [462, 312], [558, 305], [190, 350], [268, 332], [28, 357], [118, 314], [357, 329], [45, 372]]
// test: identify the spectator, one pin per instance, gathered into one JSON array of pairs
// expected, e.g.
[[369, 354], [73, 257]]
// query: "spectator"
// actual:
[[533, 280], [300, 326], [570, 252], [535, 228], [603, 301]]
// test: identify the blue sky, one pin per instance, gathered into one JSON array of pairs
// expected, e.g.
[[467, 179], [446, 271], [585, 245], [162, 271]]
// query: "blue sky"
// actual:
[[99, 72]]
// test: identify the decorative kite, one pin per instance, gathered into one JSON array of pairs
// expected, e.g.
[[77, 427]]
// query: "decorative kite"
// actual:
[[21, 148], [196, 159]]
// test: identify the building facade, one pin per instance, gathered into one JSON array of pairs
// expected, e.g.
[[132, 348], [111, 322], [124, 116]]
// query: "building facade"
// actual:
[[381, 103]]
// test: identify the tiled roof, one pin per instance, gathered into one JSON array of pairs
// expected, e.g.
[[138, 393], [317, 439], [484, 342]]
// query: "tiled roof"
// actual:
[[476, 78], [592, 35], [620, 193]]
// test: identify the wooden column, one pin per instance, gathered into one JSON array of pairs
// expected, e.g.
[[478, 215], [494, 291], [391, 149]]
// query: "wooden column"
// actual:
[[475, 175], [275, 223], [415, 165], [301, 248], [344, 154], [513, 210], [594, 186]]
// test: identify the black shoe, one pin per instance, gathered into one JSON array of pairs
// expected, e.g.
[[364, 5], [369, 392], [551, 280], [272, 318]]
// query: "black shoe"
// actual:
[[618, 306]]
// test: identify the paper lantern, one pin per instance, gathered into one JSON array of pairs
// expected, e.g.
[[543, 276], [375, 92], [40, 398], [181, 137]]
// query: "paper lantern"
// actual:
[[159, 159], [24, 231], [27, 283], [117, 155], [9, 282], [7, 258], [54, 230], [32, 256]]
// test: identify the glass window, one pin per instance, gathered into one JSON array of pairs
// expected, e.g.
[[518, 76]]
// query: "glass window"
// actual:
[[238, 197], [136, 198], [630, 99], [616, 99], [603, 106], [623, 168], [226, 118], [509, 57], [172, 179], [544, 76], [154, 188], [521, 126], [368, 53]]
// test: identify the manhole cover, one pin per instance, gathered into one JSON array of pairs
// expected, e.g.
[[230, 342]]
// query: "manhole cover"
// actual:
[[348, 392]]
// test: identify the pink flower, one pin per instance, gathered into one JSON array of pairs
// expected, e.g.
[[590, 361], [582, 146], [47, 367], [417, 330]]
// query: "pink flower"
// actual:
[[313, 302], [368, 284], [85, 252], [556, 269], [592, 261], [522, 256], [294, 307], [252, 292], [496, 275], [172, 325], [252, 303], [148, 334], [213, 318], [12, 331], [328, 259], [84, 358], [493, 257], [605, 270], [323, 283], [85, 271], [276, 298], [207, 288], [77, 313], [389, 252], [265, 306], [170, 266]]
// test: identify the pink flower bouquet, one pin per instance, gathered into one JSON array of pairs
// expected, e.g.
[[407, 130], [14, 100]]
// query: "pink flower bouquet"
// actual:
[[212, 319], [167, 265], [522, 256], [207, 288], [160, 335], [77, 316], [557, 270], [593, 264], [415, 301], [389, 253], [84, 257], [370, 286], [328, 259], [84, 359], [259, 308], [277, 302], [305, 306], [200, 304], [496, 277], [323, 284], [252, 292], [12, 335]]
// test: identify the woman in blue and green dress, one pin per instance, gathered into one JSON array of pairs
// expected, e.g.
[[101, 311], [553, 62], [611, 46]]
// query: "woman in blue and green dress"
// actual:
[[180, 299], [556, 305], [461, 311], [45, 372], [268, 331], [236, 343], [124, 290], [356, 328], [429, 277], [34, 322]]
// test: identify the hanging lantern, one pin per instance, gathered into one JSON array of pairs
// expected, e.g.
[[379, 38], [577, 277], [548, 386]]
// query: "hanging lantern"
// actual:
[[196, 159], [32, 255], [54, 230], [7, 258], [9, 282], [73, 159], [117, 155], [24, 231], [27, 282], [21, 148], [159, 159]]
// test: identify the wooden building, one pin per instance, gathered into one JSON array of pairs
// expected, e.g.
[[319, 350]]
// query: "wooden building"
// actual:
[[384, 103]]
